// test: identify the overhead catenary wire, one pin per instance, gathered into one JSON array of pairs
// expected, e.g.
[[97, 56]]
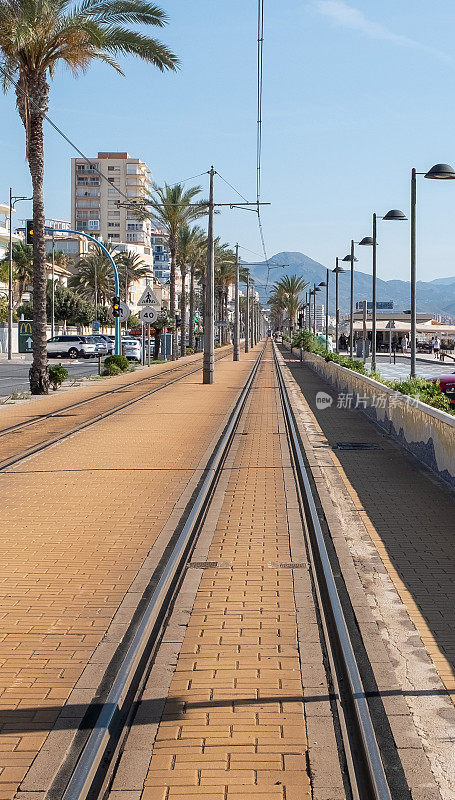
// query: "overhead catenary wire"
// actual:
[[260, 74]]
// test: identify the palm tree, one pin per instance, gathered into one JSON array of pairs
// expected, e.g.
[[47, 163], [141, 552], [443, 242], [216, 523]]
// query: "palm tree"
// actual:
[[93, 279], [35, 35], [224, 277], [172, 209], [131, 268], [23, 268], [191, 252], [287, 296]]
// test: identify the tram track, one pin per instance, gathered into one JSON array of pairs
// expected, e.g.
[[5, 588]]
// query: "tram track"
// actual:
[[50, 428], [91, 769]]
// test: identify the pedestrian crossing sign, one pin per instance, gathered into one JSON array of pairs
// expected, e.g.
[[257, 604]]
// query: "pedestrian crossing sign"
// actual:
[[148, 297]]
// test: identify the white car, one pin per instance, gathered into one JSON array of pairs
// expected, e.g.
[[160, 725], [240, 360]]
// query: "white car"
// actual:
[[132, 349], [71, 347]]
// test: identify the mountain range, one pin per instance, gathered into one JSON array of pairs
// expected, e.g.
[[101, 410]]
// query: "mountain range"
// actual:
[[437, 296]]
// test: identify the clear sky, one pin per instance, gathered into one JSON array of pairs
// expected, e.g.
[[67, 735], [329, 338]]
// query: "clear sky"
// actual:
[[355, 94]]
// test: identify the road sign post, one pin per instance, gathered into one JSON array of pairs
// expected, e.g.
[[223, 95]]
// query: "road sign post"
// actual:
[[148, 315]]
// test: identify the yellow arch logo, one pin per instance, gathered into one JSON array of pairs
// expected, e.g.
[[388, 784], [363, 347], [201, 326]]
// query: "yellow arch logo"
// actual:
[[26, 327]]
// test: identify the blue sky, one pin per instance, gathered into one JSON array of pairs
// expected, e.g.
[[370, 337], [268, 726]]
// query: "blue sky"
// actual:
[[355, 94]]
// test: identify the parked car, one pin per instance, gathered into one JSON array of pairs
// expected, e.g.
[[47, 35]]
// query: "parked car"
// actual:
[[446, 385], [101, 345], [104, 339], [71, 347], [131, 348]]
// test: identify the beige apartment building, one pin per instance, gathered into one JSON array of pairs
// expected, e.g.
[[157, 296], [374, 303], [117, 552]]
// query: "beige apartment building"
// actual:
[[94, 199]]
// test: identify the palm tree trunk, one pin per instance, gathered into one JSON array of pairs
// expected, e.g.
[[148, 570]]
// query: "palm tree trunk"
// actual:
[[172, 308], [39, 371], [183, 313], [156, 354], [191, 336]]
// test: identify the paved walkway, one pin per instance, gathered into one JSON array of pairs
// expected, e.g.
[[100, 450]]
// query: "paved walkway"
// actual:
[[409, 513], [77, 532], [233, 723]]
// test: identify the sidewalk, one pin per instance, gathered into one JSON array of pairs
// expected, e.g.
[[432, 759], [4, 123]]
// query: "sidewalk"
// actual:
[[82, 529]]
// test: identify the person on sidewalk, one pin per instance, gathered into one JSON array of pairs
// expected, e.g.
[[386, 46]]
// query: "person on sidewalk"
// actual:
[[404, 344], [436, 345]]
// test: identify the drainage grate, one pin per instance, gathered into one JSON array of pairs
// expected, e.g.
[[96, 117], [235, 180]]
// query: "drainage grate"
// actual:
[[288, 565], [209, 565], [357, 446]]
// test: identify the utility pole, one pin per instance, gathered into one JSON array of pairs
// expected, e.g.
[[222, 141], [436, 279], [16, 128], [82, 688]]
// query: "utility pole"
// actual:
[[209, 310], [247, 313], [351, 306], [237, 307], [10, 278], [53, 288]]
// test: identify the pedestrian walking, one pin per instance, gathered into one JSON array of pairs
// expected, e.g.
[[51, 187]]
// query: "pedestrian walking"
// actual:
[[404, 344], [436, 345]]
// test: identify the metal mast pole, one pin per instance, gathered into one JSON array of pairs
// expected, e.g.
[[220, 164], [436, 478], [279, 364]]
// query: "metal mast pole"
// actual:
[[10, 278], [53, 288], [413, 272], [247, 313], [327, 310], [351, 312], [337, 314], [209, 310], [373, 317], [237, 307]]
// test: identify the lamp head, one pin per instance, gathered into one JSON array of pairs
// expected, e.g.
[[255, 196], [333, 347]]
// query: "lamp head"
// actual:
[[441, 172], [323, 283], [348, 258], [338, 270], [395, 214], [367, 240]]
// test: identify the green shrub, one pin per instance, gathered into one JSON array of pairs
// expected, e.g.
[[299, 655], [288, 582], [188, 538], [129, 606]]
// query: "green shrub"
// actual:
[[57, 374], [189, 351], [120, 361], [425, 391], [217, 344], [112, 369]]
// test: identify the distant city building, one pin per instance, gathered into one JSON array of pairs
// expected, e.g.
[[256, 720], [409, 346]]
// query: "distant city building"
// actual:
[[4, 230], [161, 254], [94, 199]]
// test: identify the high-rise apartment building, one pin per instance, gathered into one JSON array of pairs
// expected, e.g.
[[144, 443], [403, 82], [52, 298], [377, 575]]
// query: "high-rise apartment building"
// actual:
[[94, 199], [161, 254]]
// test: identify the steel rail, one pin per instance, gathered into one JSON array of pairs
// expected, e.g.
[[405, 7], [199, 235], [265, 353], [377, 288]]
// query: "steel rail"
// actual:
[[99, 740], [97, 418], [41, 418], [378, 781]]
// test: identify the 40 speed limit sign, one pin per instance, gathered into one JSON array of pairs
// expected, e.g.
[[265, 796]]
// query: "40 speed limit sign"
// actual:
[[148, 315]]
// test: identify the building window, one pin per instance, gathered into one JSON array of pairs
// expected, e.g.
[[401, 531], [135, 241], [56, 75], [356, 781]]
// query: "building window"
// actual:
[[114, 213], [114, 235], [113, 224]]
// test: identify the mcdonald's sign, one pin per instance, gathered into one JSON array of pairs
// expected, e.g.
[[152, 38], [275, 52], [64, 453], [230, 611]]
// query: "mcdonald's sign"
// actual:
[[25, 336]]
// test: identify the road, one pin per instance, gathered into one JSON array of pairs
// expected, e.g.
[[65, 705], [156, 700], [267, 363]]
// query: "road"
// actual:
[[431, 369], [14, 376]]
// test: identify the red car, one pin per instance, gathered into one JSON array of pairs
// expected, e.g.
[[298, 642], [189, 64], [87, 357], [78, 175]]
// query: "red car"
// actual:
[[446, 385]]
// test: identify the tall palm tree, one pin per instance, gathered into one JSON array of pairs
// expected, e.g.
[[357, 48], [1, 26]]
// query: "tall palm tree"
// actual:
[[224, 277], [191, 252], [171, 208], [35, 35], [22, 268], [93, 279], [131, 268], [287, 293]]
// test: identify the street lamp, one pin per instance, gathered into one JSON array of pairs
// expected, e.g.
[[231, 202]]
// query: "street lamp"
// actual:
[[12, 202], [315, 290], [371, 241], [321, 286], [351, 258], [438, 172], [338, 271]]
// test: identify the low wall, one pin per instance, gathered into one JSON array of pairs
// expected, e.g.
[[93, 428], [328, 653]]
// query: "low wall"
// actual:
[[426, 432]]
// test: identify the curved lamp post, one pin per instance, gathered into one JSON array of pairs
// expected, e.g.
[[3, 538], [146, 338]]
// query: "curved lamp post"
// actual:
[[438, 172], [351, 258], [338, 271], [371, 241]]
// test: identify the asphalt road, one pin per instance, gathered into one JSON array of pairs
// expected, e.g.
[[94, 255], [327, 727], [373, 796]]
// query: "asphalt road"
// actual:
[[429, 369], [14, 377]]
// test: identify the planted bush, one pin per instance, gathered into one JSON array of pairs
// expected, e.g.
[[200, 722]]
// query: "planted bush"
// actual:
[[120, 361], [425, 391], [112, 369], [57, 374]]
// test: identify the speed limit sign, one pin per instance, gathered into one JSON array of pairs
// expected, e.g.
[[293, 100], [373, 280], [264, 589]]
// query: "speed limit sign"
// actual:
[[148, 315]]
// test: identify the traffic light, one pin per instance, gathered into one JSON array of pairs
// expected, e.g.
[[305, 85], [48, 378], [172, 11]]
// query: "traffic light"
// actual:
[[29, 235], [116, 306], [178, 321], [301, 320]]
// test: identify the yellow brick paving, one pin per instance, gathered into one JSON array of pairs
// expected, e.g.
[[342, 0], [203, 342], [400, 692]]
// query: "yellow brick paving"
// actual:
[[233, 724], [77, 523]]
